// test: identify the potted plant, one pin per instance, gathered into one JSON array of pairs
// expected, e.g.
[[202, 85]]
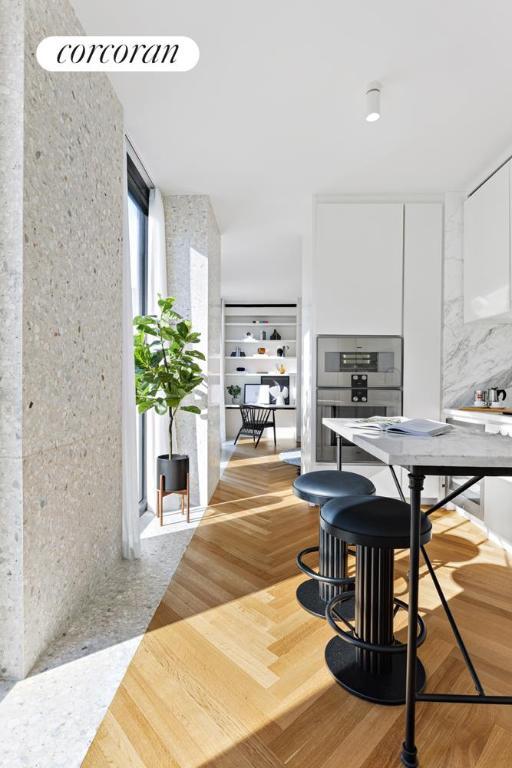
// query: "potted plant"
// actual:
[[166, 372], [234, 390]]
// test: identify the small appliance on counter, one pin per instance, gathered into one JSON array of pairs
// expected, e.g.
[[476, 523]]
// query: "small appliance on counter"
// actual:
[[489, 398]]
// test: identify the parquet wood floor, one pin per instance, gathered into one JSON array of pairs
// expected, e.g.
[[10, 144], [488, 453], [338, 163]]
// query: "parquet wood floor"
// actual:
[[230, 673]]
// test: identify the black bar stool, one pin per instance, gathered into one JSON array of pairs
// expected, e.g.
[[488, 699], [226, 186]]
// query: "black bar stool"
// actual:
[[365, 658], [318, 488]]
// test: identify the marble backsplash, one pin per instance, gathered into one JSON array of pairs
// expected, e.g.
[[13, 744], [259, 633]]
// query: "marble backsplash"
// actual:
[[475, 355]]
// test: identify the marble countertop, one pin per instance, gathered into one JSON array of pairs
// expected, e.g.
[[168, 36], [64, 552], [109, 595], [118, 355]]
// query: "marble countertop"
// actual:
[[458, 448]]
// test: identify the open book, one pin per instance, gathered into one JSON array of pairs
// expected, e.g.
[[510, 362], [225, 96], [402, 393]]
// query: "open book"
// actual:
[[416, 427]]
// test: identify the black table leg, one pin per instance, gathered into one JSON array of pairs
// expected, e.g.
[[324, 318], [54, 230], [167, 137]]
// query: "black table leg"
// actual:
[[409, 753], [338, 452]]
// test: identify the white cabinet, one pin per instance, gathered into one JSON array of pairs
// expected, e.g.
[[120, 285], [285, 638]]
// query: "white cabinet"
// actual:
[[358, 268], [487, 250], [377, 269], [423, 309], [423, 251], [498, 507]]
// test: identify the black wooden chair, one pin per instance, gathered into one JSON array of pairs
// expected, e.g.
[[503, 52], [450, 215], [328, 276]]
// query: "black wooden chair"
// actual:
[[255, 420]]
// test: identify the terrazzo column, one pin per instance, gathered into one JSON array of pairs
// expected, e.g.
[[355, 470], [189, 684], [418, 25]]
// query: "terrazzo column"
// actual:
[[11, 266], [475, 355], [61, 510], [193, 270]]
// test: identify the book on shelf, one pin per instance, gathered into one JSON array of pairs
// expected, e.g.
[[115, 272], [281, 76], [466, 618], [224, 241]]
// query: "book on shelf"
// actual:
[[399, 425]]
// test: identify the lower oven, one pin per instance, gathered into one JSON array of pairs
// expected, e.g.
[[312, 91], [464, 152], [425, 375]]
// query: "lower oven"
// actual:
[[339, 404]]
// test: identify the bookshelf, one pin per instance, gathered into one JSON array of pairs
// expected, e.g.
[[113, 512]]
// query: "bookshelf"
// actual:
[[248, 328]]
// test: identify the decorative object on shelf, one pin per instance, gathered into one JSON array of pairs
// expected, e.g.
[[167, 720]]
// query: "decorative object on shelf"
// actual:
[[240, 368], [256, 394], [263, 335], [281, 351], [238, 352], [275, 336], [249, 336], [281, 368], [166, 372], [262, 351], [234, 391], [279, 388]]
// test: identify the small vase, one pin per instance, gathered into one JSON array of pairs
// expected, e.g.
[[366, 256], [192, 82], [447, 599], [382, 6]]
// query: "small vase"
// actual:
[[280, 400]]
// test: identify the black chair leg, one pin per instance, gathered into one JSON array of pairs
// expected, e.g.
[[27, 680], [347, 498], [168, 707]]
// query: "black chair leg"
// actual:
[[274, 427], [259, 438]]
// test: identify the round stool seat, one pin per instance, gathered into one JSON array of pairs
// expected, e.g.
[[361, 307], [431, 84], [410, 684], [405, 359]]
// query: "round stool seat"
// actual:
[[319, 487], [374, 521]]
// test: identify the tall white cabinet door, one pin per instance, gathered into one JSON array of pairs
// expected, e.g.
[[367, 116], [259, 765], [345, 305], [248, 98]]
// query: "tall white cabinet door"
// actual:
[[487, 248], [423, 252], [358, 268]]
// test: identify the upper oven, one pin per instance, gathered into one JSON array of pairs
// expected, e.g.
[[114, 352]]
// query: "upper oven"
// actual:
[[365, 361]]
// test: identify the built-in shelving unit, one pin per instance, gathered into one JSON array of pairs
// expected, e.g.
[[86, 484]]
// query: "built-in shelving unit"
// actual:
[[247, 328]]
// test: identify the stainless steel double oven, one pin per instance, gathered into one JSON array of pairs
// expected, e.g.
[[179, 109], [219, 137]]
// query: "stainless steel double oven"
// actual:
[[357, 377]]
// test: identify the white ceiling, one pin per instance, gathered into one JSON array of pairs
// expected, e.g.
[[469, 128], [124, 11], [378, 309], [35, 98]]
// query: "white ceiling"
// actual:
[[274, 111]]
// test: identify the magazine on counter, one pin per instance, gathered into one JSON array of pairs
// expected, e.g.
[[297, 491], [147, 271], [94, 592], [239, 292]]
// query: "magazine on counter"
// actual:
[[416, 427]]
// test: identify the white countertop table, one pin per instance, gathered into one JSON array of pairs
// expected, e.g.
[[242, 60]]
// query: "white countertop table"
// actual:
[[459, 451], [455, 449]]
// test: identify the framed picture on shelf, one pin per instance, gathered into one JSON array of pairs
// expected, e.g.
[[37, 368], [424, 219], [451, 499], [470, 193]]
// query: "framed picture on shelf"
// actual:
[[279, 389], [256, 394]]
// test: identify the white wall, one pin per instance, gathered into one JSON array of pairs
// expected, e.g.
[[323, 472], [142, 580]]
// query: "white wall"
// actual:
[[269, 270]]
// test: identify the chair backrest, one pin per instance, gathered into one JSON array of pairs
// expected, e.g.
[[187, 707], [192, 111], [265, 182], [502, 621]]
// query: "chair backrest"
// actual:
[[254, 414]]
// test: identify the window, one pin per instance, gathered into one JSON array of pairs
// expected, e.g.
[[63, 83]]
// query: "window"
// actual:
[[138, 201]]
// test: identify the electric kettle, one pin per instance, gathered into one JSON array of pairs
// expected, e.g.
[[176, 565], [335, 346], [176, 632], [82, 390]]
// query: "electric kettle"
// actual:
[[494, 395]]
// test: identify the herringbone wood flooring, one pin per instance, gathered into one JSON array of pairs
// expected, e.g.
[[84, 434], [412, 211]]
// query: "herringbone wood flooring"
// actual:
[[230, 673]]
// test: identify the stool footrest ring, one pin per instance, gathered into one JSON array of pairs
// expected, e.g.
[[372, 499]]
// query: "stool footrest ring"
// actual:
[[350, 637], [337, 582]]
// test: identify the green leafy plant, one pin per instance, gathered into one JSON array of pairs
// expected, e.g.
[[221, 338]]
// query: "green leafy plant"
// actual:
[[166, 368], [234, 390]]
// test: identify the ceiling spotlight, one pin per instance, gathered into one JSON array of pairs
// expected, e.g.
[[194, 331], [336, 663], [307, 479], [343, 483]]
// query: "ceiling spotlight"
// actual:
[[373, 101]]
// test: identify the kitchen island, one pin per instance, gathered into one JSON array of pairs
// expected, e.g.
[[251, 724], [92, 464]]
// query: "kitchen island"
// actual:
[[456, 452]]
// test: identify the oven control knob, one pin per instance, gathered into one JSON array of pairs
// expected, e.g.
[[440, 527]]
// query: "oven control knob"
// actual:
[[364, 378], [355, 399], [363, 399]]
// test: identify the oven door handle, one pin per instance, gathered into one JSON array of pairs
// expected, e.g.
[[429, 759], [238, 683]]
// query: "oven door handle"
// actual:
[[333, 403]]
